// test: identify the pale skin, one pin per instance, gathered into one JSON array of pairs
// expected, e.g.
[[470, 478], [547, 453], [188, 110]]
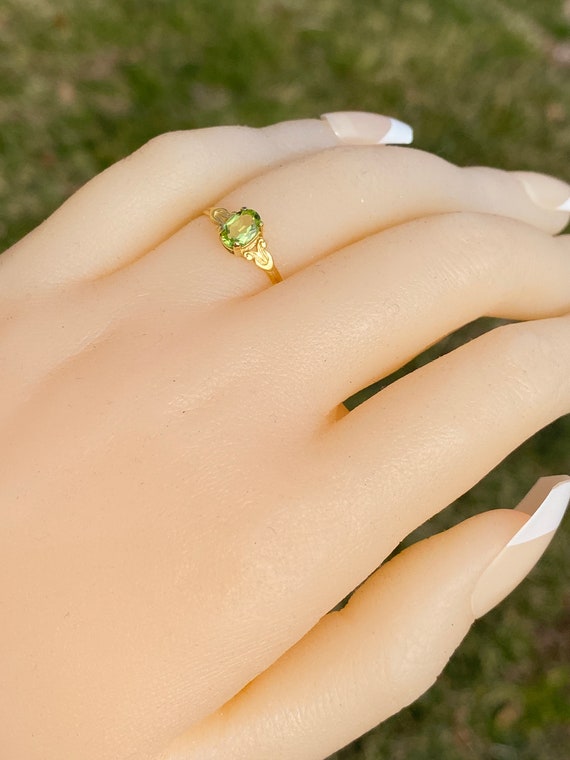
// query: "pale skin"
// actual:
[[184, 496]]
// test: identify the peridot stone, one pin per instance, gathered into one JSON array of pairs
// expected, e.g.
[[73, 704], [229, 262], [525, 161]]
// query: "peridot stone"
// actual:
[[241, 229]]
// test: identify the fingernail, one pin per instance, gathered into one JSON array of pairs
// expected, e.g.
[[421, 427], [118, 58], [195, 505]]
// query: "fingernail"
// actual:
[[546, 504], [362, 128], [546, 191]]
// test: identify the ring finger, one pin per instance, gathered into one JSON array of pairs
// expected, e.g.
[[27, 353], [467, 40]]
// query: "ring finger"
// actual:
[[320, 203]]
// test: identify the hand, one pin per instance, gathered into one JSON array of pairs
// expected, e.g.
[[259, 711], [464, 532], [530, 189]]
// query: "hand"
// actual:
[[184, 494]]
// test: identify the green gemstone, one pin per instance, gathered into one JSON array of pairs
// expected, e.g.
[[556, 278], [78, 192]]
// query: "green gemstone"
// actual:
[[241, 229]]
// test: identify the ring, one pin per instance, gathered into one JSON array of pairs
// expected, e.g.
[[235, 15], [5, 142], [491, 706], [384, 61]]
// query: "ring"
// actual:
[[240, 234]]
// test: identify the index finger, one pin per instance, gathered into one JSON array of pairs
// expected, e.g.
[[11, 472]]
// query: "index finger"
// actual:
[[135, 204]]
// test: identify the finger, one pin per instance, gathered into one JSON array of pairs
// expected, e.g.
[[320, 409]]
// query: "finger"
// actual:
[[542, 191], [135, 204], [327, 200], [449, 422], [464, 266], [360, 665], [366, 482]]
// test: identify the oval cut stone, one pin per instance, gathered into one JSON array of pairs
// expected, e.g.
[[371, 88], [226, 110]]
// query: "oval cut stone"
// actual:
[[240, 229]]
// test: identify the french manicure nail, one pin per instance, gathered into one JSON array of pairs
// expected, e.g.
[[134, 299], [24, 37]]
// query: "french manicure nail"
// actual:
[[363, 128], [546, 504], [546, 191]]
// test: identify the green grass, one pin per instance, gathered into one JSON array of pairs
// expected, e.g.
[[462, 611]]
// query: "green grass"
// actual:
[[487, 82]]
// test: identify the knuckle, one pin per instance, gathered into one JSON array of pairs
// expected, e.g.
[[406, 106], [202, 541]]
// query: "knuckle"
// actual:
[[163, 143], [489, 249], [473, 235], [463, 232], [536, 357], [469, 248], [520, 344], [366, 164], [467, 224], [197, 144]]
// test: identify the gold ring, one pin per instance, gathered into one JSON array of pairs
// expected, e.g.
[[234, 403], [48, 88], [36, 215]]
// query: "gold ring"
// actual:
[[240, 234]]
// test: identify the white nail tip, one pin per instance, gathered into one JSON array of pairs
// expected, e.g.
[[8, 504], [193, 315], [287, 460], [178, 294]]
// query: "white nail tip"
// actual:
[[565, 206], [546, 515], [399, 133]]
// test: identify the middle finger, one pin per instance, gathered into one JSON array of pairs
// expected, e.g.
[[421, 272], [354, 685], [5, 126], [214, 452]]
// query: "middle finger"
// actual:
[[367, 310]]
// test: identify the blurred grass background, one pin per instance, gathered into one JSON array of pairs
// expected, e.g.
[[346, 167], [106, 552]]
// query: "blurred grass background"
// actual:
[[84, 83]]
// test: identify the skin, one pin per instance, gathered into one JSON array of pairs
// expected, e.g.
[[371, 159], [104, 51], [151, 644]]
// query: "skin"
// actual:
[[184, 494]]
